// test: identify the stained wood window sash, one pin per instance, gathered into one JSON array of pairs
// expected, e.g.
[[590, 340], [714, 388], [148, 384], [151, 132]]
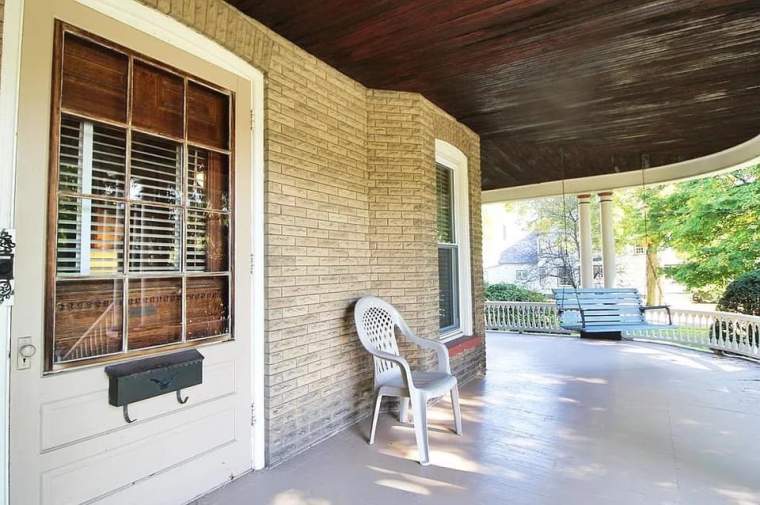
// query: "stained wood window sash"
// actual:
[[90, 194]]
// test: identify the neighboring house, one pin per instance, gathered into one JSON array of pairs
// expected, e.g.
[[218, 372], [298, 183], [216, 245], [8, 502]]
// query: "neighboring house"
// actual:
[[522, 263], [189, 179], [517, 264]]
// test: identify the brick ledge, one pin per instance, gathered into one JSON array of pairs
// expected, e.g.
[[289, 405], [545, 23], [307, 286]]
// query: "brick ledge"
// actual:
[[461, 344]]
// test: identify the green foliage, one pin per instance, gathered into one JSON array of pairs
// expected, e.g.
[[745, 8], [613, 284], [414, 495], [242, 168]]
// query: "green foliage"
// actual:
[[707, 294], [712, 223], [505, 292], [742, 295]]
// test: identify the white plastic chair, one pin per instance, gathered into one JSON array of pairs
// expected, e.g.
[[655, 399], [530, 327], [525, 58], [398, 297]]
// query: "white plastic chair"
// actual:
[[376, 321]]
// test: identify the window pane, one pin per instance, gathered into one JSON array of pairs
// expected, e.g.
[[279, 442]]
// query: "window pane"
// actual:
[[207, 179], [445, 213], [158, 100], [207, 116], [207, 307], [92, 158], [94, 79], [154, 238], [207, 241], [88, 319], [155, 170], [90, 238], [155, 312], [447, 288]]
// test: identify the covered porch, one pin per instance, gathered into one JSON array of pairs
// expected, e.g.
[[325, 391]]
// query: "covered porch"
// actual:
[[555, 420], [213, 184]]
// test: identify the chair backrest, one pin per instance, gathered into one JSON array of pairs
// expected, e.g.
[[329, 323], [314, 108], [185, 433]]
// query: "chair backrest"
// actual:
[[376, 322], [602, 306]]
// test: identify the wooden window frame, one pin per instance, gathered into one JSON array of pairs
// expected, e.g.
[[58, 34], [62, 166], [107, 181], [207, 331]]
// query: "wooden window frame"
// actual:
[[53, 192]]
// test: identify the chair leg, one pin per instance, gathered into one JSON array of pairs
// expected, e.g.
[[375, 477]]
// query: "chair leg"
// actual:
[[455, 408], [378, 401], [419, 411], [403, 410]]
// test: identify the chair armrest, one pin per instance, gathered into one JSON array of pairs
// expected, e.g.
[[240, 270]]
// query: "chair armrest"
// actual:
[[659, 307], [442, 352], [652, 307], [401, 362]]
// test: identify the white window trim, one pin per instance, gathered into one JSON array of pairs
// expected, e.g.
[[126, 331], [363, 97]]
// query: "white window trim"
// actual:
[[455, 160]]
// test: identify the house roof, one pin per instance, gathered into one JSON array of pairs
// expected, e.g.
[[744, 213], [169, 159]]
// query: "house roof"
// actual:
[[523, 252], [555, 89]]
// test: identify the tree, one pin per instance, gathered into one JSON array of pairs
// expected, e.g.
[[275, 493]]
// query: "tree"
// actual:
[[713, 224], [640, 226], [555, 221]]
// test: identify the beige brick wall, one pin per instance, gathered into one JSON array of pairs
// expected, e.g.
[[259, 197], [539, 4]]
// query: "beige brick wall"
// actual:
[[349, 211], [401, 133], [402, 209]]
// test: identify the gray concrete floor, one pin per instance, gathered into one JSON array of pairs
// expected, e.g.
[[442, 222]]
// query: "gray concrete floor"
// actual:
[[556, 420]]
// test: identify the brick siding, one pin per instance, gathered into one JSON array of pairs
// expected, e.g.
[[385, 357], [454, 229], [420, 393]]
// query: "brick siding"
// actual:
[[350, 189]]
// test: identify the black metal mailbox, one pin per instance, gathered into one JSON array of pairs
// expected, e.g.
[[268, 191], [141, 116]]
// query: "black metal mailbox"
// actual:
[[145, 378]]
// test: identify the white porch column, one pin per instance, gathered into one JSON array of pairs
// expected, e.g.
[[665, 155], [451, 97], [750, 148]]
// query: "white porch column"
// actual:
[[608, 239], [584, 232]]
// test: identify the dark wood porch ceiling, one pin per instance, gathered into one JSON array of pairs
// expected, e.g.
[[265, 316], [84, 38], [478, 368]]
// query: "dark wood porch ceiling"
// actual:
[[554, 87]]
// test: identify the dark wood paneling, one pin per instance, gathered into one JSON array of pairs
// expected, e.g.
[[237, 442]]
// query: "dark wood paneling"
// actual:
[[208, 113], [207, 307], [88, 317], [155, 312], [94, 79], [596, 83], [158, 100]]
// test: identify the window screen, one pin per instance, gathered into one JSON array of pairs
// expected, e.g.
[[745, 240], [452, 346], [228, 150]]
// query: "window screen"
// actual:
[[141, 210]]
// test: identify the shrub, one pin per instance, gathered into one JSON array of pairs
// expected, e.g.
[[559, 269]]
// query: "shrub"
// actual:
[[505, 292], [742, 295]]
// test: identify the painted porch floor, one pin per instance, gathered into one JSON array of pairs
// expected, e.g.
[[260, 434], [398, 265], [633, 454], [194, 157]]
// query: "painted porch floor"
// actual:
[[556, 420]]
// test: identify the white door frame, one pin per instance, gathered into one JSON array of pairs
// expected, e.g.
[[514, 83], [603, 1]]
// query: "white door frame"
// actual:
[[10, 70], [155, 23]]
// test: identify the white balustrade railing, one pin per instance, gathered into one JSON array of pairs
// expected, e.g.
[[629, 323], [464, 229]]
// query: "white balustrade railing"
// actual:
[[709, 330], [718, 331], [523, 316]]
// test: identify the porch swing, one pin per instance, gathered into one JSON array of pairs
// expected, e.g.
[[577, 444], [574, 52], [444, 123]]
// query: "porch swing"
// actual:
[[603, 313]]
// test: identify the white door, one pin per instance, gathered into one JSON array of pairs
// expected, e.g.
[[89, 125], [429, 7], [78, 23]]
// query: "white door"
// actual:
[[67, 444]]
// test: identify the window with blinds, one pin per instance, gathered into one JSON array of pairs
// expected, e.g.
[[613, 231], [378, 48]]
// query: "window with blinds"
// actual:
[[448, 273], [141, 211]]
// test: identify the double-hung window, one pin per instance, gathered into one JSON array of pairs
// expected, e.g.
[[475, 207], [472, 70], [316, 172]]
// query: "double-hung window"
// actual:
[[448, 251], [453, 234], [140, 205]]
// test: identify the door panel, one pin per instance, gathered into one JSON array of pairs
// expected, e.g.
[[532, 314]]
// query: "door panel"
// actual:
[[67, 444]]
